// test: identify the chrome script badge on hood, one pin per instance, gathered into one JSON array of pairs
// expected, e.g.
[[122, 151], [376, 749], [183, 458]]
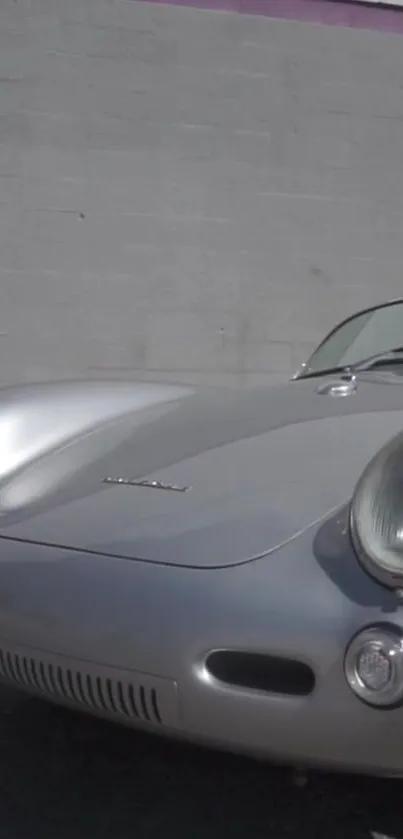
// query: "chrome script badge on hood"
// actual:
[[144, 483]]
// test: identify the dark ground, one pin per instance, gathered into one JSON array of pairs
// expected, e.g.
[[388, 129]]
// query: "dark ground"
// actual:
[[65, 775]]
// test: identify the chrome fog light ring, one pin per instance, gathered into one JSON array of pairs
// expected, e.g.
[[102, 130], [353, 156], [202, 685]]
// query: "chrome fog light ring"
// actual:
[[373, 666]]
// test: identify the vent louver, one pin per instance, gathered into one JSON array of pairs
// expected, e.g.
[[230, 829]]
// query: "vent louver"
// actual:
[[136, 697]]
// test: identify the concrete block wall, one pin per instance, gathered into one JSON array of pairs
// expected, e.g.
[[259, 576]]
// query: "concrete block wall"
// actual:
[[188, 195]]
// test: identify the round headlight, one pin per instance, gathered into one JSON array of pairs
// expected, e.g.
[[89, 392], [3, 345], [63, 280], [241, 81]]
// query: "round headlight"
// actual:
[[374, 666], [376, 519]]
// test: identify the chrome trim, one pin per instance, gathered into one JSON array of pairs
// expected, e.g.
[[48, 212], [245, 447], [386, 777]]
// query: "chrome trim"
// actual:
[[344, 386], [384, 638], [143, 483], [303, 367]]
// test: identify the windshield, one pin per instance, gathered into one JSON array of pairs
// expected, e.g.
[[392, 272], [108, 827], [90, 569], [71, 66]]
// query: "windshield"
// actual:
[[364, 335]]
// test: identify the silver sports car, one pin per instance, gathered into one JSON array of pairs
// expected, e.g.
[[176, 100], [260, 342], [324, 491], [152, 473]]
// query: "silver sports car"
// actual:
[[221, 566]]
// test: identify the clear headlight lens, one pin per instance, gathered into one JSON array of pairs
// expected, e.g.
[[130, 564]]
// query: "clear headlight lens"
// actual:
[[377, 515]]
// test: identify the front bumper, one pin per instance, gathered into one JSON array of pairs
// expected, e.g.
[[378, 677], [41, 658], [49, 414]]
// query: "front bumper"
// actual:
[[128, 641]]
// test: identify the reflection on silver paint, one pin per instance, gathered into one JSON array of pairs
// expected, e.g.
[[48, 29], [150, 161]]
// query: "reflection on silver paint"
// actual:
[[243, 563], [250, 455], [338, 388], [50, 432], [35, 419]]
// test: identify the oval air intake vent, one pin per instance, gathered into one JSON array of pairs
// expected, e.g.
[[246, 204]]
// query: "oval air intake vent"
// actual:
[[262, 672]]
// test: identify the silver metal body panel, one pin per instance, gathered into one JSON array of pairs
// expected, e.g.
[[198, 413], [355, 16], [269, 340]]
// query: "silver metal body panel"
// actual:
[[303, 601], [111, 597]]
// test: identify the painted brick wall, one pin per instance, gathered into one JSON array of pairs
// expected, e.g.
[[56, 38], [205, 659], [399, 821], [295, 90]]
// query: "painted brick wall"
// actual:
[[189, 195]]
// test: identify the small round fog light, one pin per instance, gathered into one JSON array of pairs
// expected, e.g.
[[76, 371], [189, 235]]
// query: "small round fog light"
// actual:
[[374, 666]]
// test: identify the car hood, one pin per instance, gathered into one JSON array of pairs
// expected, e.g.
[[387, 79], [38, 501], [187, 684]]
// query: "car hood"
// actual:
[[239, 473]]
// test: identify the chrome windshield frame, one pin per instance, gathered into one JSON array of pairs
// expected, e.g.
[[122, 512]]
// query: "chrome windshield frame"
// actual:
[[300, 374]]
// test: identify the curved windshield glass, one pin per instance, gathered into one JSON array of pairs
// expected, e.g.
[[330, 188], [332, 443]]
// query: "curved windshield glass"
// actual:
[[365, 334]]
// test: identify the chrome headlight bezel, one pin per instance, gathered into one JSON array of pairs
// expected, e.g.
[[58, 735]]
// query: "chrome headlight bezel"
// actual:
[[380, 469]]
